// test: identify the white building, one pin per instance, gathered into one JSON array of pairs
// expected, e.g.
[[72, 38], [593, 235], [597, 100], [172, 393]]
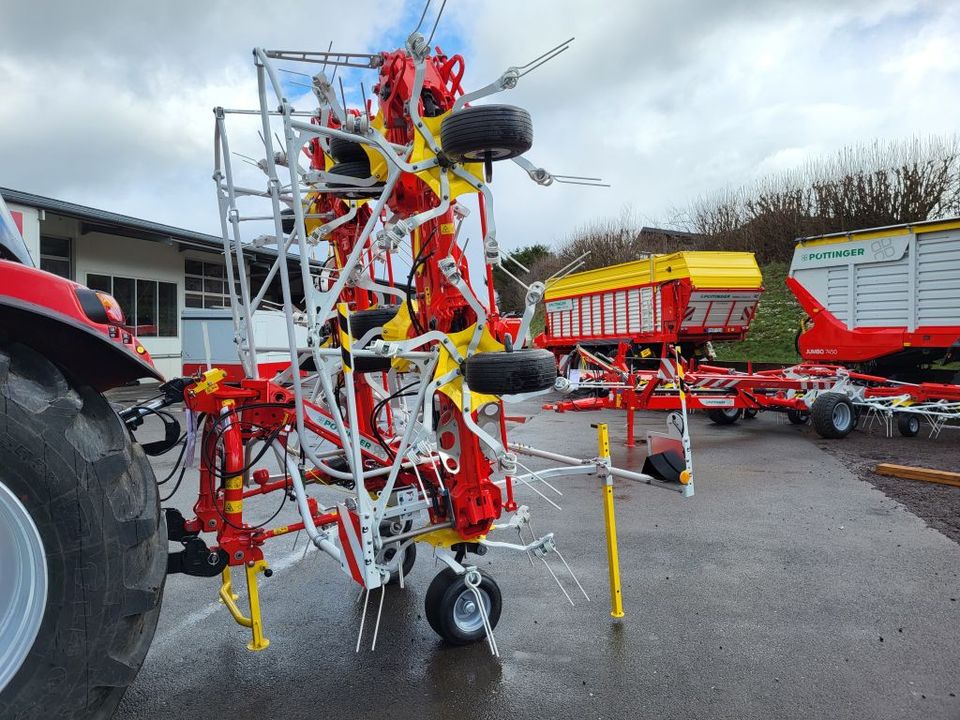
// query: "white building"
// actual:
[[153, 270]]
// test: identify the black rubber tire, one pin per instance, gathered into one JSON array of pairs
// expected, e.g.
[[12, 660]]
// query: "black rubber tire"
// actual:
[[345, 151], [823, 416], [442, 594], [409, 558], [358, 169], [361, 322], [798, 417], [500, 131], [92, 494], [723, 416], [287, 220], [908, 424], [750, 413], [503, 373]]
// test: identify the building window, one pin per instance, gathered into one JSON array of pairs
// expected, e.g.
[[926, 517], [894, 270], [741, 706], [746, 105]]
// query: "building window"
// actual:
[[150, 306], [206, 285], [56, 256]]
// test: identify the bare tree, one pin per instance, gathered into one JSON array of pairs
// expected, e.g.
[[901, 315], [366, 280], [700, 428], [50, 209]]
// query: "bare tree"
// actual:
[[861, 186]]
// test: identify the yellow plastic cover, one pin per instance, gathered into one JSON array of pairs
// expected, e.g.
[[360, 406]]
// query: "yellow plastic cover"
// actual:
[[706, 269], [397, 329], [421, 152]]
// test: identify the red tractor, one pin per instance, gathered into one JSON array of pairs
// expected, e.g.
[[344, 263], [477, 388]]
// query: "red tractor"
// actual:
[[83, 548]]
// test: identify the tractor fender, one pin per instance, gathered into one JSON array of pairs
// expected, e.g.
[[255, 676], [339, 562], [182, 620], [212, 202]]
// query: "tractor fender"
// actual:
[[83, 350]]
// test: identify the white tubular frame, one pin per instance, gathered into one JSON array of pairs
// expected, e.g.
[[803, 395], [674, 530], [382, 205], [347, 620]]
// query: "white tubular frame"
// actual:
[[416, 440]]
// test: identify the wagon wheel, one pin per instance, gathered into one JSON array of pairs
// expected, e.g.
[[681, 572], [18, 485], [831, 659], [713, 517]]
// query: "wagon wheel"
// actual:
[[833, 415], [452, 610], [798, 417], [724, 416]]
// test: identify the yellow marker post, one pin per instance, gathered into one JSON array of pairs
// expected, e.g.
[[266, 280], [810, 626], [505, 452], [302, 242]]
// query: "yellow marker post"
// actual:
[[613, 556]]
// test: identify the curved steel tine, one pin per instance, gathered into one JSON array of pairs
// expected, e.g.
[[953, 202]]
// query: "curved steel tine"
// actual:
[[436, 22], [557, 50]]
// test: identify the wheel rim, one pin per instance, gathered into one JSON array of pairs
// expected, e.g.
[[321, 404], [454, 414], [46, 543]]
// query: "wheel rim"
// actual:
[[914, 424], [731, 412], [495, 154], [466, 610], [390, 559], [842, 416], [23, 600]]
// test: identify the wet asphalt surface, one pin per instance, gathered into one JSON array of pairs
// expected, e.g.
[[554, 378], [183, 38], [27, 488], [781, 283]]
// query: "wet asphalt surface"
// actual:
[[786, 588]]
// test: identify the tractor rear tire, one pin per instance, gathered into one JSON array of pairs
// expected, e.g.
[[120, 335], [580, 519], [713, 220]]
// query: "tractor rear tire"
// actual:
[[725, 416], [81, 525], [345, 151], [494, 132], [833, 416], [510, 373], [908, 424], [361, 322], [452, 610]]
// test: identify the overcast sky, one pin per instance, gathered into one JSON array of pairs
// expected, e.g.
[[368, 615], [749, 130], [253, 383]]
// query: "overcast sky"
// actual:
[[108, 103]]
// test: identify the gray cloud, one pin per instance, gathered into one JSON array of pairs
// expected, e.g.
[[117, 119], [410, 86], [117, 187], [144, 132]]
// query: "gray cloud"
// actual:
[[108, 103]]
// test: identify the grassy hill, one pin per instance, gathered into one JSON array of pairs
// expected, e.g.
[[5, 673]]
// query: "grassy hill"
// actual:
[[774, 330]]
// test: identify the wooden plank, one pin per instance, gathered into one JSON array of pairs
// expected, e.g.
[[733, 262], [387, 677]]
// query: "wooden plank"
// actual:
[[908, 472]]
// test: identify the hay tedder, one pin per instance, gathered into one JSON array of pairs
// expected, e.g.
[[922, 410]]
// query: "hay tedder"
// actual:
[[386, 429], [396, 397]]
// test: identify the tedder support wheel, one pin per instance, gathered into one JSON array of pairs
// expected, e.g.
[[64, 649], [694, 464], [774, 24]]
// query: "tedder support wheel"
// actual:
[[750, 413], [389, 557], [833, 415], [486, 132], [908, 424], [359, 169], [724, 416], [798, 417], [84, 548], [394, 560], [510, 373], [344, 151], [452, 609], [361, 322], [287, 220]]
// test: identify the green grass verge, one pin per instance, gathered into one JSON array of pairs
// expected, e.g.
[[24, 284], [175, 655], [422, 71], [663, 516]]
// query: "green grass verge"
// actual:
[[773, 331]]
